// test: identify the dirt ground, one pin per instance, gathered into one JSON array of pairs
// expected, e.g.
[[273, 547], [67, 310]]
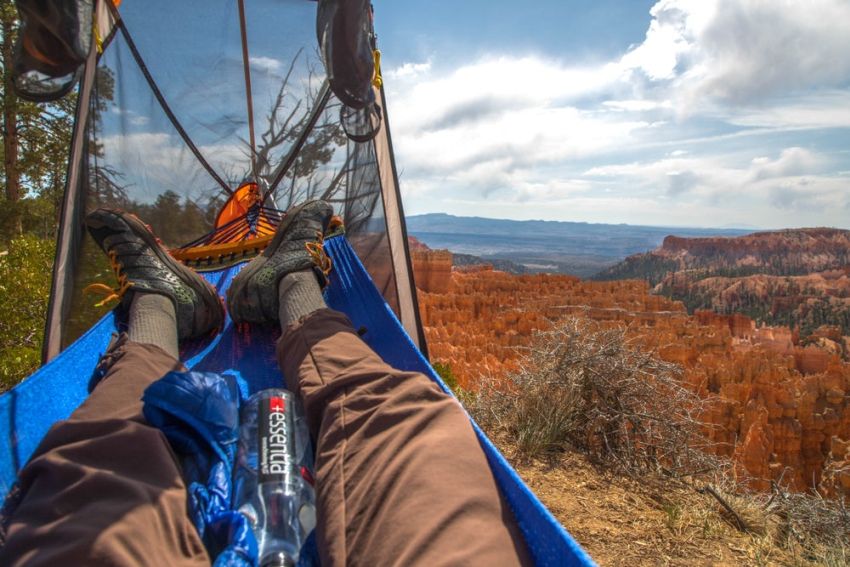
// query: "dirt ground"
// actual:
[[620, 521]]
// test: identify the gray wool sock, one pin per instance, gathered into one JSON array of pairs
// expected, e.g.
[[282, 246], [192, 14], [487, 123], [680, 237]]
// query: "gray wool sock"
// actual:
[[153, 321], [300, 295]]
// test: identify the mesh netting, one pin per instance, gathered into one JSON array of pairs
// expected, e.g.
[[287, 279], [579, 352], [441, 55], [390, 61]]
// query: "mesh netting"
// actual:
[[168, 135]]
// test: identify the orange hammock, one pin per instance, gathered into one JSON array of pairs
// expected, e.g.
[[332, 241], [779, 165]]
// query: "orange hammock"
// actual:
[[242, 230]]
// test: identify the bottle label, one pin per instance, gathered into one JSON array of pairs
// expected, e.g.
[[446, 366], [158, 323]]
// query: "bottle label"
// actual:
[[277, 447]]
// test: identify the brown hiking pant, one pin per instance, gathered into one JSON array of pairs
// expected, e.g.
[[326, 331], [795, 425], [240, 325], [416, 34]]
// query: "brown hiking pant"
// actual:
[[401, 478]]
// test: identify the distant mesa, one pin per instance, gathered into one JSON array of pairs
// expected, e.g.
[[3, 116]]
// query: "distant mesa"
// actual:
[[799, 278], [782, 253]]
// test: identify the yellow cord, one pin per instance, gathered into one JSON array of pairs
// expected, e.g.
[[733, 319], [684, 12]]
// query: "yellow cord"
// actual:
[[377, 80], [111, 294], [96, 34], [318, 254]]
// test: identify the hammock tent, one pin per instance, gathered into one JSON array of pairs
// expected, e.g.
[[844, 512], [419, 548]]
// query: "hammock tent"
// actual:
[[209, 120]]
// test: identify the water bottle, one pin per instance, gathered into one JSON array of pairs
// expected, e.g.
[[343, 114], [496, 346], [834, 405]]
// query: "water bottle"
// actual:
[[273, 484]]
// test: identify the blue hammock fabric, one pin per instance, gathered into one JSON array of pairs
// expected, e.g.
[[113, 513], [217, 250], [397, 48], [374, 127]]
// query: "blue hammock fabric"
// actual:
[[57, 389]]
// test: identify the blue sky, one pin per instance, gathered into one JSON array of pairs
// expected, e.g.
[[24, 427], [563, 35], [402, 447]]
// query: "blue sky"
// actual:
[[676, 112]]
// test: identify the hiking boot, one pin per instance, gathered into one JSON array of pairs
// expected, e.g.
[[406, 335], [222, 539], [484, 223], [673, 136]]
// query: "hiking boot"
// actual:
[[253, 296], [143, 265]]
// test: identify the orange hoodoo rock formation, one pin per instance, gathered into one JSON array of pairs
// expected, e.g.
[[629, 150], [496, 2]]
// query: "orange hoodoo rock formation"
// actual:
[[432, 270], [781, 408]]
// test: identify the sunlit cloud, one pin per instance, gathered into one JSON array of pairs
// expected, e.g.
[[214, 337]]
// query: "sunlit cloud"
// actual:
[[408, 70], [636, 105], [792, 162], [740, 52], [794, 185], [265, 64], [709, 110], [830, 109]]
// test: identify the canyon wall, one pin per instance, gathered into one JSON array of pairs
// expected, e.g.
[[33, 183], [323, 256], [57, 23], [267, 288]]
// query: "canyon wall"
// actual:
[[798, 278], [782, 253]]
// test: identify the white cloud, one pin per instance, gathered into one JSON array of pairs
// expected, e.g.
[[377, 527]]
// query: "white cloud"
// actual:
[[498, 84], [829, 109], [134, 118], [407, 70], [791, 182], [678, 178], [265, 64], [490, 119], [792, 162], [759, 48], [742, 51], [636, 105], [820, 197], [671, 38]]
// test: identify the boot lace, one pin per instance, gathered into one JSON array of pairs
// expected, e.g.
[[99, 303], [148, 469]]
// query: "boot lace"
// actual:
[[318, 254], [111, 294]]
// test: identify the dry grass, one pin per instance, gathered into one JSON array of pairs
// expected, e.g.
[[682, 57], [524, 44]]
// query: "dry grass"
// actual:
[[622, 520], [609, 439], [656, 520], [816, 529]]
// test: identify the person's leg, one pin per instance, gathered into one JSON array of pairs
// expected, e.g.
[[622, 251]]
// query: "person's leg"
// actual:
[[103, 487], [401, 478]]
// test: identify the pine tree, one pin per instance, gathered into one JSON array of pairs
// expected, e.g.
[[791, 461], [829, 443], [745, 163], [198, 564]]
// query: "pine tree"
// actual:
[[36, 141]]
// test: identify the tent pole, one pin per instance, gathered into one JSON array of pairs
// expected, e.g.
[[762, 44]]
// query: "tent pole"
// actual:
[[246, 64], [397, 232], [70, 228]]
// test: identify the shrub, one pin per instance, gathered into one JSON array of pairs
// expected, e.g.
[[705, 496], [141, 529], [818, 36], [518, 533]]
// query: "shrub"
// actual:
[[25, 275], [817, 528], [444, 370], [584, 386]]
